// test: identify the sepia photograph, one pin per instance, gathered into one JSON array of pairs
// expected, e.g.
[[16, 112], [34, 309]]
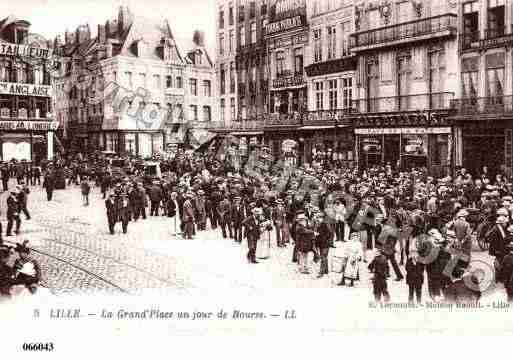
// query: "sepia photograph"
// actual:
[[246, 166]]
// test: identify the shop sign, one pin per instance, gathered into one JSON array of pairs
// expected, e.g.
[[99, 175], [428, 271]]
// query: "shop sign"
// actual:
[[391, 131], [284, 25], [415, 145], [29, 125], [12, 88], [8, 49], [494, 42]]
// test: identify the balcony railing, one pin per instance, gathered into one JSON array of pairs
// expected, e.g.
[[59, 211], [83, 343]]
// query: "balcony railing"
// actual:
[[387, 36], [328, 116], [247, 125], [483, 105], [497, 37], [284, 119], [421, 102]]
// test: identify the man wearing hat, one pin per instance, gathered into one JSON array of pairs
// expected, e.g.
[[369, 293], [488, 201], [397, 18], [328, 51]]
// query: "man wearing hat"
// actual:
[[224, 210], [462, 231], [13, 212], [201, 212], [112, 211], [4, 172], [49, 184], [188, 215], [279, 217], [506, 272], [156, 195], [304, 238], [498, 239], [237, 218], [252, 232], [123, 211], [323, 240]]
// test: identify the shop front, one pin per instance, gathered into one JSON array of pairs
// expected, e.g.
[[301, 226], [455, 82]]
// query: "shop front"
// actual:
[[405, 148], [31, 141], [333, 142]]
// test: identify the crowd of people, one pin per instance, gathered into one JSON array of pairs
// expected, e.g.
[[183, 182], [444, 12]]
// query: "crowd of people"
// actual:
[[417, 224]]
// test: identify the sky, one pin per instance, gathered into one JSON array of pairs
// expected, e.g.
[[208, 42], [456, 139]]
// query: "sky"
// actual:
[[52, 17]]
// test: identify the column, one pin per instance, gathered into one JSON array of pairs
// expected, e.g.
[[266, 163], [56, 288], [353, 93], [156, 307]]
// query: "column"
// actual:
[[291, 100], [49, 140], [137, 144]]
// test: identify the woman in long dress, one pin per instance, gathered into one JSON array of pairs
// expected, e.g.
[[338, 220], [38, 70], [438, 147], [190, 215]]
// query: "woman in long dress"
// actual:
[[353, 254]]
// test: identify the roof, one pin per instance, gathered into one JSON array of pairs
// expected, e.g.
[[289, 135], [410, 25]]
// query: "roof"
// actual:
[[11, 19], [186, 45], [148, 31]]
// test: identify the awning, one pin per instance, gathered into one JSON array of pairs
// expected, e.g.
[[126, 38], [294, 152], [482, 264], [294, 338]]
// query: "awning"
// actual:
[[318, 127], [254, 133]]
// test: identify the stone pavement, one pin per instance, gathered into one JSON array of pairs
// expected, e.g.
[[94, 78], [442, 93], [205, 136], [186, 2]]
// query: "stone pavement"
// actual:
[[151, 257]]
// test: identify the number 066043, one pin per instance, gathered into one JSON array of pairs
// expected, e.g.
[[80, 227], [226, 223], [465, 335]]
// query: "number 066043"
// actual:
[[37, 347]]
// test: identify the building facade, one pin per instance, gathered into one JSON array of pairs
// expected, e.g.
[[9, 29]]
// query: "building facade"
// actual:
[[27, 125], [407, 55], [286, 37], [484, 107], [330, 70], [128, 85]]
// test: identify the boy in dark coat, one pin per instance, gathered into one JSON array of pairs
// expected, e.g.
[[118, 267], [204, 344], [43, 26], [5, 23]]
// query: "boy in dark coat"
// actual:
[[414, 278], [379, 266]]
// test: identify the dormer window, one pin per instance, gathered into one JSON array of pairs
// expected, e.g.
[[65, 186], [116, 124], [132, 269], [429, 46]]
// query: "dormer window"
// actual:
[[198, 58]]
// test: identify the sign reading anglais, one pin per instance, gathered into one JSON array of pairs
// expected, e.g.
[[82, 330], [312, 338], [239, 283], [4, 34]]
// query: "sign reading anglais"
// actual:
[[12, 88], [29, 125]]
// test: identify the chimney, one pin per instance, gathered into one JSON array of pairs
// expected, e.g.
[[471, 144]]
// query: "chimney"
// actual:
[[124, 18], [88, 32], [199, 38], [57, 42], [67, 37], [102, 35]]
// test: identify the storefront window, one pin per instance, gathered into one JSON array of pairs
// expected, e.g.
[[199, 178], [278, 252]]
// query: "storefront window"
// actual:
[[130, 143]]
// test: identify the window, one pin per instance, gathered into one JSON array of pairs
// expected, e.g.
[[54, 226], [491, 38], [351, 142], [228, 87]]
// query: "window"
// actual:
[[156, 81], [129, 82], [437, 74], [230, 16], [332, 42], [333, 94], [206, 113], [252, 10], [495, 76], [469, 77], [241, 13], [232, 109], [179, 82], [194, 112], [316, 7], [347, 92], [221, 19], [223, 79], [222, 109], [232, 77], [169, 81], [298, 62], [404, 12], [242, 36], [319, 95], [496, 14], [194, 86], [263, 10], [346, 30], [142, 80], [317, 45], [253, 33], [221, 44], [207, 88], [280, 63], [231, 42], [470, 24]]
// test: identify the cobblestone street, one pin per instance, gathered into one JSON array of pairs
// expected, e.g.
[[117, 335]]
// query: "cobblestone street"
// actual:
[[78, 255]]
